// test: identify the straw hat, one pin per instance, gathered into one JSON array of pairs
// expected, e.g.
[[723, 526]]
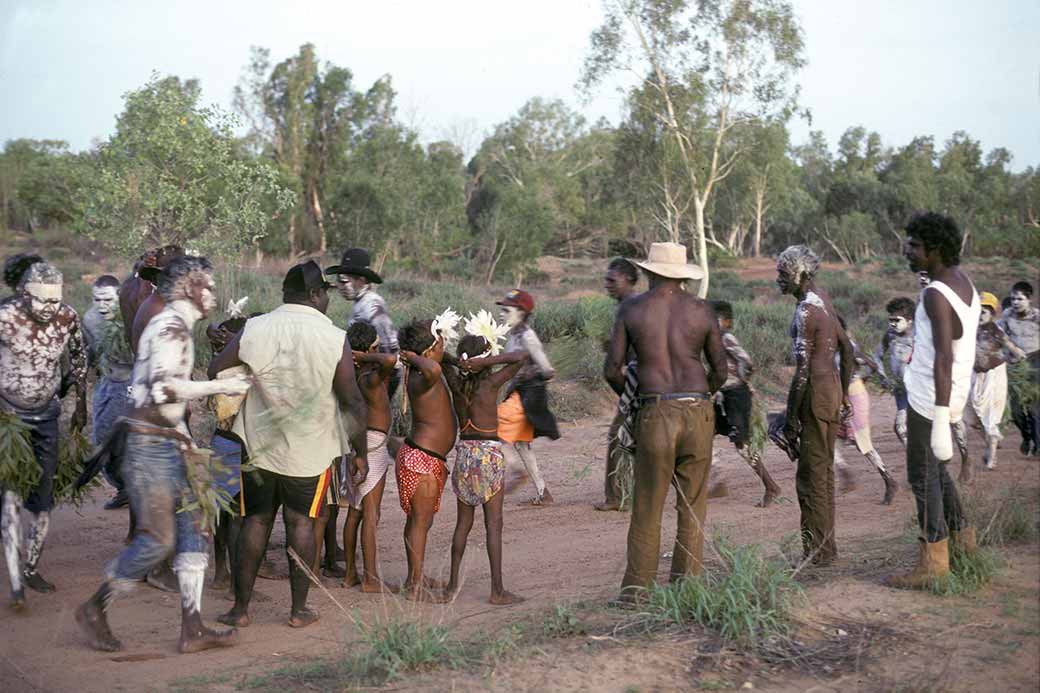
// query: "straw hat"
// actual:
[[669, 260]]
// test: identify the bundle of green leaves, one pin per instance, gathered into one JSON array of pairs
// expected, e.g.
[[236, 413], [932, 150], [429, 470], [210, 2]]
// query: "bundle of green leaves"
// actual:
[[19, 471], [75, 449]]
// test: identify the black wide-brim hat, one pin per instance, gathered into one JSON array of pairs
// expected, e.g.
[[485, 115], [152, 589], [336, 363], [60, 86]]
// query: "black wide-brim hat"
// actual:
[[355, 261]]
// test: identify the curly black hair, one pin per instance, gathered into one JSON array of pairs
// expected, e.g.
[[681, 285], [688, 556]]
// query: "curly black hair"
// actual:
[[624, 267], [16, 265], [416, 336], [361, 335], [937, 232], [901, 306], [471, 346], [723, 309], [1024, 288], [106, 280]]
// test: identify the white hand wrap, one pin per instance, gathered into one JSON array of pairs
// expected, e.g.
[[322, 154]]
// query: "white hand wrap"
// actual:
[[942, 436]]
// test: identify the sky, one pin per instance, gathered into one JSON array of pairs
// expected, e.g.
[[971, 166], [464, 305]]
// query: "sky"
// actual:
[[902, 68]]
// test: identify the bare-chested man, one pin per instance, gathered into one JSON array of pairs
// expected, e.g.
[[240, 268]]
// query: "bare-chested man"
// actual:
[[421, 469], [479, 473], [374, 370], [155, 467], [815, 399], [36, 328], [669, 329], [938, 381]]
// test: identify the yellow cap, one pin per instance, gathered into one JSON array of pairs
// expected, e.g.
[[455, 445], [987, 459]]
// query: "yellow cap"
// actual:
[[990, 301]]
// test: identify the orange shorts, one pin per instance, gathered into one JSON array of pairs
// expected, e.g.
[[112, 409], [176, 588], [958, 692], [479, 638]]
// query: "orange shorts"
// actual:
[[513, 426]]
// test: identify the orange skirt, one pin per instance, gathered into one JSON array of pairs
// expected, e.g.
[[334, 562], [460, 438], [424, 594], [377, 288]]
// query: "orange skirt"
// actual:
[[513, 426]]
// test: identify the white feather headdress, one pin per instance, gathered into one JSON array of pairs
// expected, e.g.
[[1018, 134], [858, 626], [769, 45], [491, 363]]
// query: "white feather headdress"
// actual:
[[444, 325], [236, 309], [483, 325]]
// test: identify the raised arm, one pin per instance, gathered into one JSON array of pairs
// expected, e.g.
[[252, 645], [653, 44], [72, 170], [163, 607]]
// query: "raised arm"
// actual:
[[614, 364], [428, 368], [512, 367]]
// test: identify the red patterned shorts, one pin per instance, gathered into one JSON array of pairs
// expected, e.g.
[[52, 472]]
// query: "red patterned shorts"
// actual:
[[412, 464]]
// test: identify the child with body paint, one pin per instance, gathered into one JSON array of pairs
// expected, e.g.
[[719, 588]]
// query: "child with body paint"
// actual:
[[479, 473], [374, 370], [420, 467], [894, 351]]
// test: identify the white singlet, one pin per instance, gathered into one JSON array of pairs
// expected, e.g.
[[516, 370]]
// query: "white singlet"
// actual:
[[920, 372]]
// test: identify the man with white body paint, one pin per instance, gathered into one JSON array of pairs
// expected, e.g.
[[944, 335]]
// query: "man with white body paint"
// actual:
[[524, 414], [1021, 322], [154, 467], [897, 345], [815, 399], [109, 353], [36, 328]]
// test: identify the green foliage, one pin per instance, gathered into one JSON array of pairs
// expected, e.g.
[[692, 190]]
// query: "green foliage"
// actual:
[[19, 471], [1022, 383], [397, 647], [853, 296], [75, 449], [173, 173], [747, 601], [562, 622], [591, 316], [763, 330], [969, 572]]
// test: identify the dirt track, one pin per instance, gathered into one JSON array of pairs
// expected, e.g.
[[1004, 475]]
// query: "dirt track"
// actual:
[[554, 555]]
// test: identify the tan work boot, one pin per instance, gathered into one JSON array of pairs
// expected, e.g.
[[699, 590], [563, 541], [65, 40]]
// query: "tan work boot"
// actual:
[[934, 562], [964, 539]]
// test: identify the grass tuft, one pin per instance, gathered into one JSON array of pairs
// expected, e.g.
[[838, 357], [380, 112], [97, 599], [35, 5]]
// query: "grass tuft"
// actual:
[[397, 647], [748, 601], [969, 572], [561, 622]]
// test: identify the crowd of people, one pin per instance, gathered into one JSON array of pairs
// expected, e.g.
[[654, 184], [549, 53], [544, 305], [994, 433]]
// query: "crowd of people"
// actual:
[[304, 415]]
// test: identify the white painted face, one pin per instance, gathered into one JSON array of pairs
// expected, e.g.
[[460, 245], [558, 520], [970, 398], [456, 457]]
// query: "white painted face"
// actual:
[[106, 301], [1019, 302], [511, 315], [44, 300], [923, 279], [208, 296], [350, 286], [898, 323], [985, 316]]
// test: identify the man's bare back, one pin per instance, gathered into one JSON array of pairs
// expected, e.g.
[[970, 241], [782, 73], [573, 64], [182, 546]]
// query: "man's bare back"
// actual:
[[433, 422], [476, 402], [669, 329], [374, 370]]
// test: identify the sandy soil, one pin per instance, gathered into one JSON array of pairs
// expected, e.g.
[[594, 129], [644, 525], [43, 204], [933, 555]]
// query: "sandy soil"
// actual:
[[559, 555]]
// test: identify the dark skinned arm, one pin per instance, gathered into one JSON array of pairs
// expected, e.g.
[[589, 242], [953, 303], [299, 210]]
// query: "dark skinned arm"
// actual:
[[504, 375], [614, 364], [475, 365], [387, 362], [228, 358], [716, 353], [848, 360], [428, 368], [352, 404]]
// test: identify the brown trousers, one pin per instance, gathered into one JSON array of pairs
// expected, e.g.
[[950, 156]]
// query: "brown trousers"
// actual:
[[819, 418], [673, 446], [611, 489]]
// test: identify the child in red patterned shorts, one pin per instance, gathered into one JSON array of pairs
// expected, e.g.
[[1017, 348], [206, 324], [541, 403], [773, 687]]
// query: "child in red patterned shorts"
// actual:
[[421, 471], [479, 465]]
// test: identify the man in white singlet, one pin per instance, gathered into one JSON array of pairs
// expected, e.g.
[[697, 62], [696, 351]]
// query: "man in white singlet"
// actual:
[[938, 380]]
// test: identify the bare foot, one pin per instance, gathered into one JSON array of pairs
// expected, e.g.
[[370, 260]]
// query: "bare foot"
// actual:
[[17, 602], [847, 482], [334, 571], [206, 639], [235, 619], [505, 599], [351, 580], [768, 498], [423, 594], [377, 587], [433, 583], [91, 620], [303, 618], [607, 506]]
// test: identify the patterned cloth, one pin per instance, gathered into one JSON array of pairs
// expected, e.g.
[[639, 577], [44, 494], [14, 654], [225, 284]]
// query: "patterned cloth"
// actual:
[[412, 464], [378, 463], [628, 408], [480, 471]]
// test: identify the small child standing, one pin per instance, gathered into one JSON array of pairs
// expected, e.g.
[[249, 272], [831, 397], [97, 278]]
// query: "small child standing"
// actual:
[[733, 416], [479, 472], [421, 469], [894, 351], [374, 370]]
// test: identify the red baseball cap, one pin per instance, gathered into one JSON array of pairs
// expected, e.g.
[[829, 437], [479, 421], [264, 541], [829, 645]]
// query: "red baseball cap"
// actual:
[[518, 299]]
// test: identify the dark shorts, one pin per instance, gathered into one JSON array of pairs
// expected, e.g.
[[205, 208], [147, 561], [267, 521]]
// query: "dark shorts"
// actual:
[[733, 418], [44, 440], [264, 492], [228, 448]]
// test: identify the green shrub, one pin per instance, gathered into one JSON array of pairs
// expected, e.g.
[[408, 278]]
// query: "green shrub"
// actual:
[[729, 286], [561, 622], [968, 571], [749, 600], [396, 647]]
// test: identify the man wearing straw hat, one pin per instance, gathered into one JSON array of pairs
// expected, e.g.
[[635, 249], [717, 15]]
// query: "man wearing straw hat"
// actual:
[[669, 329]]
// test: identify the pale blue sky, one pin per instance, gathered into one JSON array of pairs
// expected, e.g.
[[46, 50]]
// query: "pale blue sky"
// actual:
[[901, 67]]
